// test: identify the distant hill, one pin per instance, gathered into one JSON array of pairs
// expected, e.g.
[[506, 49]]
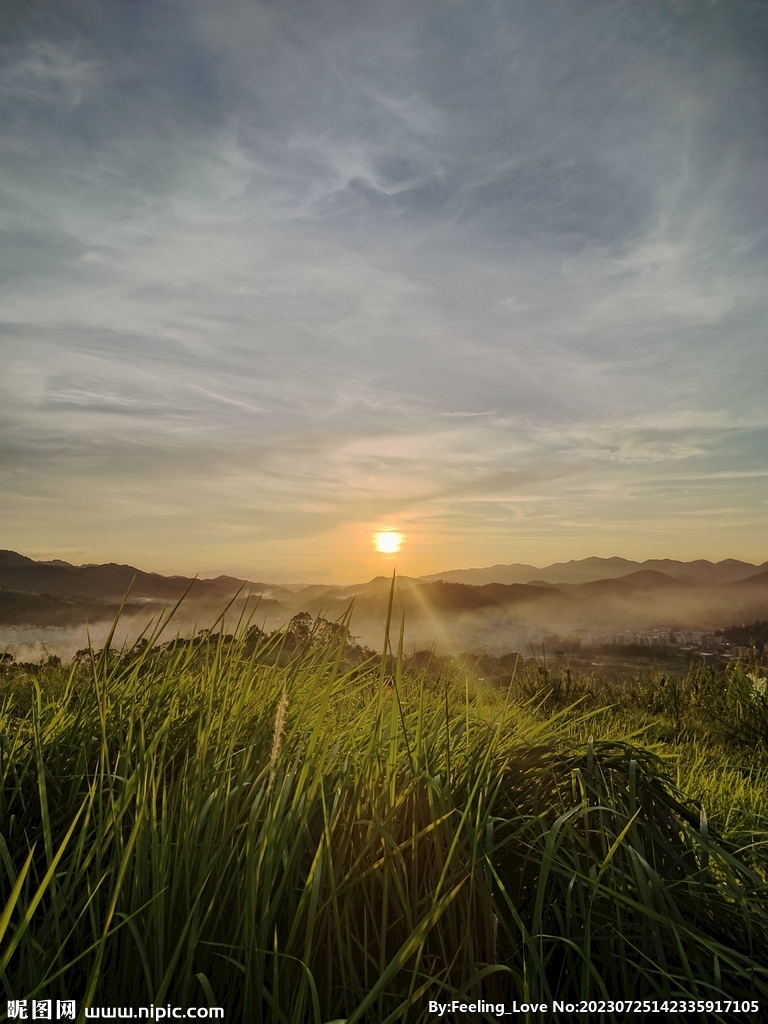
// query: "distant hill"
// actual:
[[608, 590], [463, 597], [588, 570], [447, 600], [44, 610], [758, 581], [641, 598], [516, 573], [320, 600], [111, 582], [634, 583]]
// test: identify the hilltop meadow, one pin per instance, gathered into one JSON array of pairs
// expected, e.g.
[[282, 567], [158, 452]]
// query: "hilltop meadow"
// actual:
[[295, 828]]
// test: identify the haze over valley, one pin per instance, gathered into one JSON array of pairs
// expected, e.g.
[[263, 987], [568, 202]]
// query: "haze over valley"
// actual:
[[45, 604]]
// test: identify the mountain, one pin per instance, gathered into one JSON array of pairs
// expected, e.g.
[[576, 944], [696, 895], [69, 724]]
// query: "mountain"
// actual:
[[332, 602], [698, 594], [757, 582], [587, 570], [634, 583], [640, 599], [111, 582], [17, 607], [460, 597], [729, 570], [515, 573], [444, 599]]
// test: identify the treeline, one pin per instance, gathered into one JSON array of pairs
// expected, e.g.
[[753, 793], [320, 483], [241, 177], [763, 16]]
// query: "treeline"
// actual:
[[277, 647], [753, 635]]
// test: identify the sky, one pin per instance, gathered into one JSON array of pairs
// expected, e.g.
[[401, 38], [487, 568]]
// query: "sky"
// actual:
[[277, 276]]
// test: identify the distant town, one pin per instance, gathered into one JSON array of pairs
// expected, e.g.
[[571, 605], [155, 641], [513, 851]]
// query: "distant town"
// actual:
[[723, 644]]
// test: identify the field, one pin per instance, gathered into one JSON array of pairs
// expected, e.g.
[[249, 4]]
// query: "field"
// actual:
[[282, 828]]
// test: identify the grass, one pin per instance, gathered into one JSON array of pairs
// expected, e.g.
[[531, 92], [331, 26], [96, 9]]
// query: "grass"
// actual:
[[709, 724], [295, 838]]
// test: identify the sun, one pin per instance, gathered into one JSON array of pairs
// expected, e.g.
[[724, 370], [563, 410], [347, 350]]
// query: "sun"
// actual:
[[388, 542]]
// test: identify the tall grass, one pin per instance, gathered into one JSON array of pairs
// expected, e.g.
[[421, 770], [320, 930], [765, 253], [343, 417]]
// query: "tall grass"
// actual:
[[295, 841], [709, 724]]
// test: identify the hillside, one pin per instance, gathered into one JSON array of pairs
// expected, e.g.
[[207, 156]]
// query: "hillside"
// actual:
[[587, 570], [57, 593], [111, 581]]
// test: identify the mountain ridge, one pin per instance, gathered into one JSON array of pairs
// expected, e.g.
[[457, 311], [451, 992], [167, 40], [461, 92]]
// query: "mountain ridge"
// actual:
[[593, 568], [111, 581], [40, 592]]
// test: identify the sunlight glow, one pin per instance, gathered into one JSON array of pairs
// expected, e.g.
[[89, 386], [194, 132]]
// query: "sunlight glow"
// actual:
[[388, 542]]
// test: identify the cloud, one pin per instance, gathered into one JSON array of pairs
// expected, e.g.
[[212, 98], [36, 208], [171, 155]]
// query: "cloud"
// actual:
[[48, 75], [481, 254]]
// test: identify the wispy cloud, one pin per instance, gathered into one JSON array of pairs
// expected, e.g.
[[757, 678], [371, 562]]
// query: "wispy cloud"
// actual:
[[49, 75]]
